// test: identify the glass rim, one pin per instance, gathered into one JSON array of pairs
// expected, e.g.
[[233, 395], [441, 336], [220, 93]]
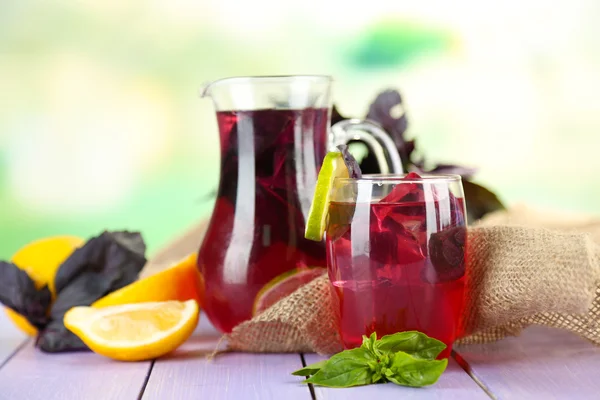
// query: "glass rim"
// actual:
[[273, 78], [370, 179]]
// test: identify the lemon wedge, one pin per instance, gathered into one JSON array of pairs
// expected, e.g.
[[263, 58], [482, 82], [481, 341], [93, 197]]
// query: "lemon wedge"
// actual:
[[134, 332], [182, 281]]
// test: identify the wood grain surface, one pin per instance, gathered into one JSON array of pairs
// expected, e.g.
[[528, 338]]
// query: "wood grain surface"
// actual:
[[188, 374], [31, 375], [542, 363], [10, 338]]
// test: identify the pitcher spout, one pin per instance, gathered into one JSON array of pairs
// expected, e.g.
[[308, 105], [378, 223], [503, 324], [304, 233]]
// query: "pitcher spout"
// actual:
[[208, 89], [205, 89]]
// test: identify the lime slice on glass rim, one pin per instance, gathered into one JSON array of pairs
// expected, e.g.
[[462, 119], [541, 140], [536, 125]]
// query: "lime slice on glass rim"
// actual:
[[333, 167]]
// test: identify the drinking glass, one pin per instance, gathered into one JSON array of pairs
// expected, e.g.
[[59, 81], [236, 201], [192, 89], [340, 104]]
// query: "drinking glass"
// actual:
[[396, 255]]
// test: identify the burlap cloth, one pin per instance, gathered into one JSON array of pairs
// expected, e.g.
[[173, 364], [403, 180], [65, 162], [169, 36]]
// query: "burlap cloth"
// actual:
[[523, 267]]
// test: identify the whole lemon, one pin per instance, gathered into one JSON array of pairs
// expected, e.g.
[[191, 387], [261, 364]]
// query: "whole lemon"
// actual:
[[41, 259]]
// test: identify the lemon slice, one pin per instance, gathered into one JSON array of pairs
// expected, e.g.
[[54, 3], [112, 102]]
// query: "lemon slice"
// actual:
[[333, 167], [282, 286], [182, 281], [134, 332]]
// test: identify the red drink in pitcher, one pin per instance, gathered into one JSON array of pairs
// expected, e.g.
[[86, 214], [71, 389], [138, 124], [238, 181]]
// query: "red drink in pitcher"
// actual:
[[398, 263], [257, 228]]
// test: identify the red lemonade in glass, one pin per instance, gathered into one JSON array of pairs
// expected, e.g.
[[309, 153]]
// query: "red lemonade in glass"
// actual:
[[269, 164], [397, 261]]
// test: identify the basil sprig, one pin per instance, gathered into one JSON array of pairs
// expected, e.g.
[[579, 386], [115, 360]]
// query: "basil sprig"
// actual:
[[405, 358]]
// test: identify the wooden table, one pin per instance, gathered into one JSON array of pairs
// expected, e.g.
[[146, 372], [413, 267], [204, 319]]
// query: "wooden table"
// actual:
[[540, 364]]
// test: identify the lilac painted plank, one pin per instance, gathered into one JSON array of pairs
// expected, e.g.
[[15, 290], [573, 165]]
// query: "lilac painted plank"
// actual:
[[542, 363], [10, 338], [31, 374], [455, 383], [188, 374], [7, 328], [8, 347]]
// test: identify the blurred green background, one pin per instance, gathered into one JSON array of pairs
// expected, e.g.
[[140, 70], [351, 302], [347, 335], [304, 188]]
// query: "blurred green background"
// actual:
[[101, 126]]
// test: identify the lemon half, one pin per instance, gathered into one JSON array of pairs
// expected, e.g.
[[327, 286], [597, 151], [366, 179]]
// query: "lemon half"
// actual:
[[134, 332]]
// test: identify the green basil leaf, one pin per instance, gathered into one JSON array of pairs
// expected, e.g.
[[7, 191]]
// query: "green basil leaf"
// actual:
[[369, 342], [415, 372], [345, 369], [414, 343], [376, 377], [378, 369], [310, 369], [385, 360]]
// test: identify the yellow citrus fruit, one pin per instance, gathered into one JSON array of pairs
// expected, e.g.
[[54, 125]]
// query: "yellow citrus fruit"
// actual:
[[333, 167], [41, 259], [134, 332], [180, 282]]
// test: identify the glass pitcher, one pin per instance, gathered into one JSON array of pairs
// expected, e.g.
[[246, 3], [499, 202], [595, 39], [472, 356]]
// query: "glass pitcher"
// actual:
[[275, 131]]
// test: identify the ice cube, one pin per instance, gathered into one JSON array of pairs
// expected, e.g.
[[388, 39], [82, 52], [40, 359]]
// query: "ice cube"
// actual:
[[363, 269], [406, 192], [412, 176], [399, 246]]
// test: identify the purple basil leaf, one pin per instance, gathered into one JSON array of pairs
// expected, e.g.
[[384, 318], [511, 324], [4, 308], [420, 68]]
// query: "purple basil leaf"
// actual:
[[18, 292], [117, 255], [480, 201], [409, 147], [104, 264], [353, 167], [56, 338], [381, 110], [336, 116], [447, 255], [82, 291], [418, 166], [465, 172]]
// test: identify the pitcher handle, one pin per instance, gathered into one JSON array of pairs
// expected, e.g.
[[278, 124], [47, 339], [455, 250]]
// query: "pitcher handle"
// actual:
[[372, 135]]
